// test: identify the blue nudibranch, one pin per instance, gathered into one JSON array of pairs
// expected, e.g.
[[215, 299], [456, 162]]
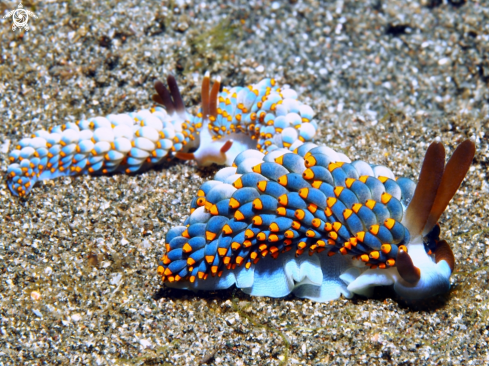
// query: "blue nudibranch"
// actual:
[[260, 116], [273, 221]]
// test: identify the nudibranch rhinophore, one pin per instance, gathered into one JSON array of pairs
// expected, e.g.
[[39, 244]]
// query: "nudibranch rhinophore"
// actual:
[[272, 224], [261, 116]]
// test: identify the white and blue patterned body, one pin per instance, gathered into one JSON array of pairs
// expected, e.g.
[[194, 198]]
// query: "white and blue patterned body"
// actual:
[[258, 117], [272, 224]]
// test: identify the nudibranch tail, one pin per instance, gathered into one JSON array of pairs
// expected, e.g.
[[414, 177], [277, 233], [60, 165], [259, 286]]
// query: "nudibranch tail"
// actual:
[[253, 225], [127, 143]]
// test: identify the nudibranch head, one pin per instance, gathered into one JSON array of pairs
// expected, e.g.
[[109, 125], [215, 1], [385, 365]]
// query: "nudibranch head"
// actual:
[[273, 222], [424, 267], [429, 277], [262, 116]]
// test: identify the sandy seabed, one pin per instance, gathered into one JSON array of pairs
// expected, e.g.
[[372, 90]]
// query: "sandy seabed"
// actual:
[[78, 257]]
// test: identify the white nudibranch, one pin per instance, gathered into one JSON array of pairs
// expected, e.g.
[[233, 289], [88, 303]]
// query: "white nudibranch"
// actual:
[[261, 116]]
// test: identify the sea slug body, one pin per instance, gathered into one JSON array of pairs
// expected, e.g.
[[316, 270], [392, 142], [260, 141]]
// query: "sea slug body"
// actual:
[[261, 116], [307, 220]]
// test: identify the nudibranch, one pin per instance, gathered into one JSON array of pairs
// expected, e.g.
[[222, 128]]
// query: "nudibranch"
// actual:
[[307, 220], [261, 116], [273, 221]]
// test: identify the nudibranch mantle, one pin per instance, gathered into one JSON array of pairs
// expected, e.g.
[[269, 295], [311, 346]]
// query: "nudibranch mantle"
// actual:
[[272, 224]]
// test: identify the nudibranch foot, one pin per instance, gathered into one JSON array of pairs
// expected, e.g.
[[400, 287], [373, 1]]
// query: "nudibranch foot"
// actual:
[[306, 220]]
